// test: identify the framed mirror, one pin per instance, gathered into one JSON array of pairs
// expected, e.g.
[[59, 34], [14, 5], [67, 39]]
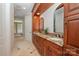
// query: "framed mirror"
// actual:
[[59, 20], [41, 24]]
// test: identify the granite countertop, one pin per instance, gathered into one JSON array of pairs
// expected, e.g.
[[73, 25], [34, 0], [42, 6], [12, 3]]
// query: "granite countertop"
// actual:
[[58, 41]]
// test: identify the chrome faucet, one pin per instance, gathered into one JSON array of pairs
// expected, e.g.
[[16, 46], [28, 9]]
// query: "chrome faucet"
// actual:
[[57, 35]]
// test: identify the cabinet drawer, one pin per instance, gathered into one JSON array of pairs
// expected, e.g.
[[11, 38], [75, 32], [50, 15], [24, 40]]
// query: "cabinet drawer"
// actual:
[[54, 45], [52, 49]]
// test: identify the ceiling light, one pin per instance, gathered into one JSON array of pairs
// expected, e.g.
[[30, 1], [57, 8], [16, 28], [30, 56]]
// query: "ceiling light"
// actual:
[[24, 8], [38, 13]]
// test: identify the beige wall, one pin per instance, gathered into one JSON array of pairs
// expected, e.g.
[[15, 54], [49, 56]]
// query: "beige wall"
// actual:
[[1, 31], [28, 27], [12, 25], [7, 28]]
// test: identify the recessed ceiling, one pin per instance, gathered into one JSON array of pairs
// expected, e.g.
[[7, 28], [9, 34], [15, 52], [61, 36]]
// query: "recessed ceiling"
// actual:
[[22, 9]]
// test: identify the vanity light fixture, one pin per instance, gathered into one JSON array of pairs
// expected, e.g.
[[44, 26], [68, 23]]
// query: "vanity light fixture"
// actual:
[[38, 13]]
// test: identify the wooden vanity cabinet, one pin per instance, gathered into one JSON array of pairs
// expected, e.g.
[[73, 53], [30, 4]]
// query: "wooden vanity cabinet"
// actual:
[[38, 42], [71, 9], [71, 29], [52, 49], [46, 47]]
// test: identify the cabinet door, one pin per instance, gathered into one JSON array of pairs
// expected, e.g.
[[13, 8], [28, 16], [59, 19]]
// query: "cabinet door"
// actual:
[[38, 41], [41, 45], [51, 49], [71, 9], [71, 28], [73, 33]]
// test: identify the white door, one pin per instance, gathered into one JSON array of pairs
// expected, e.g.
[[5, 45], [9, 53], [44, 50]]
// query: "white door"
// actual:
[[19, 28], [28, 27]]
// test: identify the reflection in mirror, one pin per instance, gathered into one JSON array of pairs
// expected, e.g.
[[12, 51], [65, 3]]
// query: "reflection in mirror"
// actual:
[[59, 21], [41, 24]]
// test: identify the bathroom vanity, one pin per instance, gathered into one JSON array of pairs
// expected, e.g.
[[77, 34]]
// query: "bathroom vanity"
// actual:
[[66, 21], [47, 45]]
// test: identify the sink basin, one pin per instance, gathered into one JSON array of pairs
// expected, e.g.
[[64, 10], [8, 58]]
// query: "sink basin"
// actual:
[[56, 39], [59, 40]]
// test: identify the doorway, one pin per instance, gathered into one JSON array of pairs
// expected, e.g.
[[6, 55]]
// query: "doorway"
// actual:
[[18, 28]]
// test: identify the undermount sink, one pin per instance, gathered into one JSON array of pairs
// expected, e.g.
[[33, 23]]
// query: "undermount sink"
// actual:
[[60, 40], [56, 39]]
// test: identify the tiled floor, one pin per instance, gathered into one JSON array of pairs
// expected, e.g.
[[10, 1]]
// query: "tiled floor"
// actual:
[[24, 48]]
